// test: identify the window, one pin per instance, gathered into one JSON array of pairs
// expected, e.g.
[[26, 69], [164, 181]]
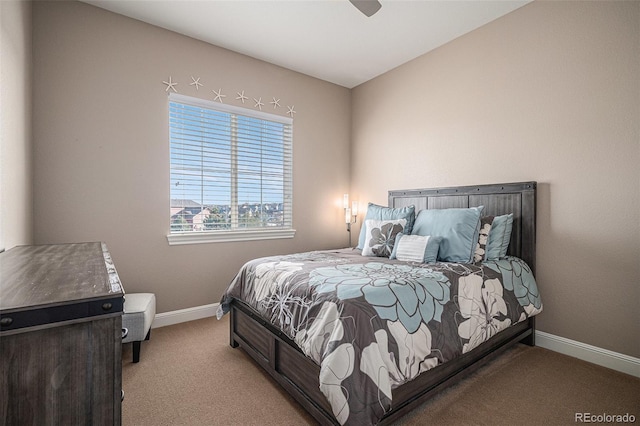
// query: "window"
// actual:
[[231, 172]]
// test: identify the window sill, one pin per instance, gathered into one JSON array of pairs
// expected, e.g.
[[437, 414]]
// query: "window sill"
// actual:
[[229, 236]]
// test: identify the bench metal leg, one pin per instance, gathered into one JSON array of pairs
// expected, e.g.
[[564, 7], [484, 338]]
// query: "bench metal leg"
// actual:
[[136, 351]]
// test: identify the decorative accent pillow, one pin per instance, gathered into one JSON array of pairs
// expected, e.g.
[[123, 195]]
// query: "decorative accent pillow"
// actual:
[[380, 236], [499, 237], [377, 212], [458, 227], [483, 237], [416, 248]]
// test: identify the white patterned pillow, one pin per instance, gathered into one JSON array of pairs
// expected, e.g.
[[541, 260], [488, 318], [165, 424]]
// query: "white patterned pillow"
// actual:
[[380, 236]]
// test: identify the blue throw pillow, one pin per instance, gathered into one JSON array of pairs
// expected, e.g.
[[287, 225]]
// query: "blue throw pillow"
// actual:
[[416, 248], [377, 212], [499, 237], [459, 229]]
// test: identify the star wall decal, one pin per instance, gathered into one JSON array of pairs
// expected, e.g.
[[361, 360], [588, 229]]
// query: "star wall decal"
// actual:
[[170, 85], [241, 96], [196, 82], [219, 95]]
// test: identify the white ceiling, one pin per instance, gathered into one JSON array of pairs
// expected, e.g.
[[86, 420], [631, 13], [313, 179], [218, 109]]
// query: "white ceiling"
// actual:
[[327, 39]]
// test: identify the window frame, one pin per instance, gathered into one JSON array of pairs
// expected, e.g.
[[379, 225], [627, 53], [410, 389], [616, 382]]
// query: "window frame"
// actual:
[[236, 234]]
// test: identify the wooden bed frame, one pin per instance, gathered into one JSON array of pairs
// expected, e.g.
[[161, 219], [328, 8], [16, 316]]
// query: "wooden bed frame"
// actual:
[[298, 375]]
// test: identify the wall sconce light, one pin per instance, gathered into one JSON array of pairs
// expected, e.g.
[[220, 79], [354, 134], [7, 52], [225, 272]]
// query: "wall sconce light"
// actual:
[[350, 213]]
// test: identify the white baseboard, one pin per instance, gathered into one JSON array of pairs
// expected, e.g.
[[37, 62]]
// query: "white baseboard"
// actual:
[[606, 358], [184, 315]]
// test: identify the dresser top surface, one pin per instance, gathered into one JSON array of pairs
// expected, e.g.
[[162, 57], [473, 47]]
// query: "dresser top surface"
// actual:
[[58, 274]]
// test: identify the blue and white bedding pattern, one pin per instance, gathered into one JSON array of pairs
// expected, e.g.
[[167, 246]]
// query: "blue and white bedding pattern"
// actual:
[[373, 324]]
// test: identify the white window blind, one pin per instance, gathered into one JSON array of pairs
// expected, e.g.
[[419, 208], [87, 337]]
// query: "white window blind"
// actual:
[[231, 170]]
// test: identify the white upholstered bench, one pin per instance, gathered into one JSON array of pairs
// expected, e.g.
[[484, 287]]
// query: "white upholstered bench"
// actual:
[[139, 312]]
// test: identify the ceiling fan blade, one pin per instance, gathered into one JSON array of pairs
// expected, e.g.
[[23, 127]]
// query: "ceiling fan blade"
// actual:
[[368, 7]]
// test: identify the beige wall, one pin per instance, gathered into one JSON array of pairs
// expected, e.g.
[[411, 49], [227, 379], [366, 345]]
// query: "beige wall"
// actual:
[[549, 93], [101, 155], [16, 186]]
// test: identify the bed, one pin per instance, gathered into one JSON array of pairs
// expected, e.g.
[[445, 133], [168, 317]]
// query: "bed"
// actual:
[[364, 339]]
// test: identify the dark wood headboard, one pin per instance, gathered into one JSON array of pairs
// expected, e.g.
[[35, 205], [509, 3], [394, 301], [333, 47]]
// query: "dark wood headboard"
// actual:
[[498, 199]]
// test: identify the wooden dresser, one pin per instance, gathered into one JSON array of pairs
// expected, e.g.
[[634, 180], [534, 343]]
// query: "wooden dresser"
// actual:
[[60, 336]]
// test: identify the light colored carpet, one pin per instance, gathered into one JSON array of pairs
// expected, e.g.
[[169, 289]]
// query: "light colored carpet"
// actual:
[[189, 375]]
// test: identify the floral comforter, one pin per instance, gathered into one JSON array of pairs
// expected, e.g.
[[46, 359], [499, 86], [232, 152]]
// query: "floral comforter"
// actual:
[[373, 324]]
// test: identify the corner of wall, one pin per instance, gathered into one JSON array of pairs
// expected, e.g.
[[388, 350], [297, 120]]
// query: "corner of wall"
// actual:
[[16, 170]]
